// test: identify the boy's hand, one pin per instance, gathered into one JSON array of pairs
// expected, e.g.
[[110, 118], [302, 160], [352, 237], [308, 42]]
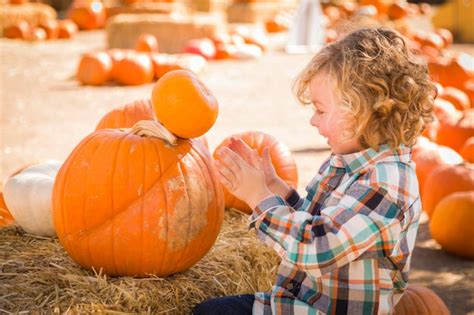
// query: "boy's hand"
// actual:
[[274, 183], [244, 180]]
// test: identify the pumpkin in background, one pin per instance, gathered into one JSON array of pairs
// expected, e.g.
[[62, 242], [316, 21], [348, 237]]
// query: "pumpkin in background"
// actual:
[[18, 30], [135, 204], [397, 10], [445, 180], [146, 43], [446, 35], [282, 160], [428, 155], [6, 217], [87, 14], [164, 63], [37, 34], [458, 98], [420, 300], [127, 115], [201, 46], [183, 104], [67, 29], [468, 88], [133, 69], [27, 196], [453, 71], [50, 27], [451, 223], [467, 150], [455, 131], [94, 68]]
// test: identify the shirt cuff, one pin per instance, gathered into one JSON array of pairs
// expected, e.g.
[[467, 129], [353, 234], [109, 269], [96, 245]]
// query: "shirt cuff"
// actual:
[[293, 198], [264, 206]]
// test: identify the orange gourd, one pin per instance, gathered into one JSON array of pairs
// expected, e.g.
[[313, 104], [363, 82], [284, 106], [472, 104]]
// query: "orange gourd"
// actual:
[[133, 69], [445, 180], [133, 204], [420, 300], [467, 150], [127, 115], [183, 104], [428, 156], [454, 132], [94, 68], [282, 160], [146, 43], [451, 224]]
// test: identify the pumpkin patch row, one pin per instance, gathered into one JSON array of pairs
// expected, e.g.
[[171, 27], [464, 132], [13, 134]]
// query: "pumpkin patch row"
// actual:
[[46, 30]]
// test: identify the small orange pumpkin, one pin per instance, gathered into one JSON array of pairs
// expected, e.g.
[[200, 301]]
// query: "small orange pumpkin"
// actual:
[[282, 160], [19, 30], [94, 68], [51, 28], [457, 97], [133, 69], [445, 180], [454, 132], [420, 300], [134, 204], [127, 115], [146, 43], [87, 14], [67, 29], [428, 156], [451, 223], [183, 104]]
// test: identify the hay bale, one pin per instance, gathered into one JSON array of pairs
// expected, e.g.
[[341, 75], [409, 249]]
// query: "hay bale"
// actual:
[[257, 12], [148, 8], [33, 13], [38, 276], [172, 31]]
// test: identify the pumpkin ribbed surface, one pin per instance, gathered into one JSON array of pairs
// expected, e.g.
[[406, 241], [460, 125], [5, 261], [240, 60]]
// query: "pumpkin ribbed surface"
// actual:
[[136, 205], [420, 300], [127, 115]]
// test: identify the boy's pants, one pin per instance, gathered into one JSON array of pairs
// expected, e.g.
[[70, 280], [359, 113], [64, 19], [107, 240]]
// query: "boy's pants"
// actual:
[[227, 305]]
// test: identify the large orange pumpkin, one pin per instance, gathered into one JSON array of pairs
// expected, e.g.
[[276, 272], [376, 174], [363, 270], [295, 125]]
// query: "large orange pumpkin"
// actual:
[[282, 160], [467, 150], [445, 180], [133, 69], [428, 155], [94, 68], [454, 132], [420, 300], [183, 104], [451, 223], [133, 204], [127, 115]]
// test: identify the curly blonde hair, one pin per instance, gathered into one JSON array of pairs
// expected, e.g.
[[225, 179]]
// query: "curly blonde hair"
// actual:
[[386, 90]]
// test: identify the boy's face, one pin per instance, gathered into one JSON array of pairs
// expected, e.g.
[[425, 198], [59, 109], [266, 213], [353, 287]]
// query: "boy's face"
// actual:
[[329, 117]]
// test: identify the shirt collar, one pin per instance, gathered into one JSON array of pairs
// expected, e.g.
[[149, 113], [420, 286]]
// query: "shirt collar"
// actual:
[[358, 161]]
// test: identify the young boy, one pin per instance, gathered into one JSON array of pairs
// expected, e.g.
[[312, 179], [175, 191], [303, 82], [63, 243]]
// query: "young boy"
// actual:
[[346, 247]]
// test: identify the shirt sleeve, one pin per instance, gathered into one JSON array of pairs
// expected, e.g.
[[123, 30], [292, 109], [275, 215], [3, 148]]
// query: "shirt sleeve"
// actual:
[[365, 220]]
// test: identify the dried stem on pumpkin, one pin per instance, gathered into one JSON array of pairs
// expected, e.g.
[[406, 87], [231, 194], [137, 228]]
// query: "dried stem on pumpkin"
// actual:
[[152, 128]]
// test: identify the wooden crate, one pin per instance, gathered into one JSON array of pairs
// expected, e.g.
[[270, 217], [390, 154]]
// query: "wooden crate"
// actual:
[[33, 13], [172, 31], [147, 8], [257, 12]]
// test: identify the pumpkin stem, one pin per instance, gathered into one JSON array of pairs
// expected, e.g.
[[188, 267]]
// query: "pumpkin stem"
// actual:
[[152, 128]]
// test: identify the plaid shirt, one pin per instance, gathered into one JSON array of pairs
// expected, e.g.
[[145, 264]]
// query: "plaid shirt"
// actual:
[[346, 247]]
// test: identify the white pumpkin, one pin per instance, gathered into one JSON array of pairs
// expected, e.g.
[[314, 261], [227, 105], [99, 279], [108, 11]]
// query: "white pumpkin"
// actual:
[[28, 197]]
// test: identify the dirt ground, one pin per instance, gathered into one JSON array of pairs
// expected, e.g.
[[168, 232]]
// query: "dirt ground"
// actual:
[[45, 113]]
